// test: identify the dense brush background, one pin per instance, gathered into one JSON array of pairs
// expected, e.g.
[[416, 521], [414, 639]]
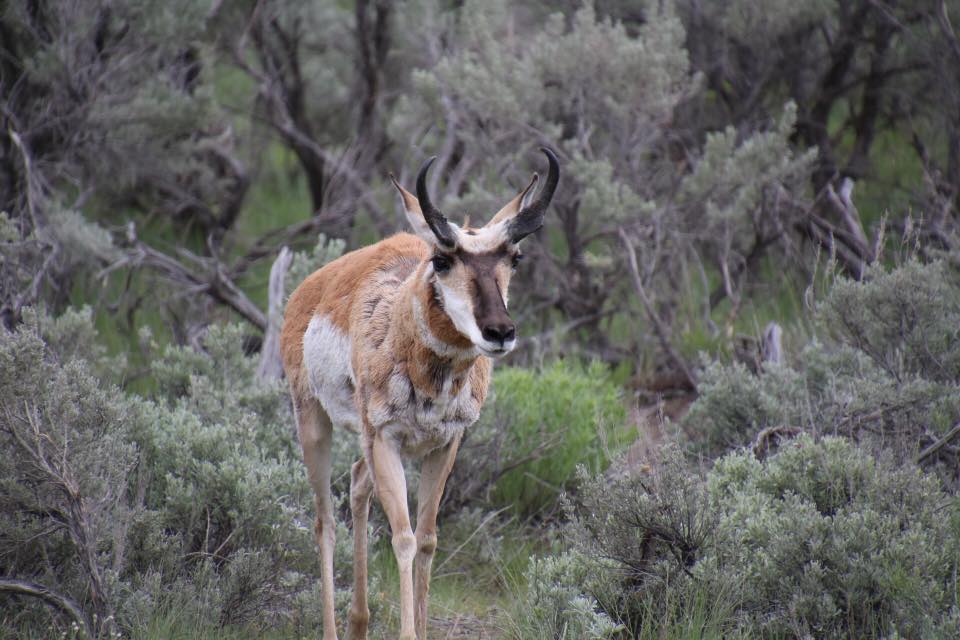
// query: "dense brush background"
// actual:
[[734, 410]]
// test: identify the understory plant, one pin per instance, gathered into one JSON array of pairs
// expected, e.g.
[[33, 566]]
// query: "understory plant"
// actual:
[[118, 509], [814, 498], [536, 427], [821, 539]]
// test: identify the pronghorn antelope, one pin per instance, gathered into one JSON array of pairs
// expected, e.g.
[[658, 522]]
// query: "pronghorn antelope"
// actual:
[[393, 341]]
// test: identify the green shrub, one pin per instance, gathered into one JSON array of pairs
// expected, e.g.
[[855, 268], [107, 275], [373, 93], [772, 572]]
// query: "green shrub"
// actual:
[[734, 405], [885, 372], [192, 502], [66, 469], [906, 320], [827, 541], [822, 539], [225, 474], [650, 531], [535, 429], [556, 605]]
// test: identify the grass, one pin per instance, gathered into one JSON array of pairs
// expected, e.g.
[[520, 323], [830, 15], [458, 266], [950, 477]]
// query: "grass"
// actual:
[[573, 410], [462, 603]]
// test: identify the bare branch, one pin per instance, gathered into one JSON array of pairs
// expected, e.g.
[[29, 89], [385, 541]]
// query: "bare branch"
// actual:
[[939, 444], [271, 365], [663, 332], [207, 276], [58, 600]]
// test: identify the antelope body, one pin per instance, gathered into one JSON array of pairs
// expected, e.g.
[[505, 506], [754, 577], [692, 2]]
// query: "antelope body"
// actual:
[[393, 342]]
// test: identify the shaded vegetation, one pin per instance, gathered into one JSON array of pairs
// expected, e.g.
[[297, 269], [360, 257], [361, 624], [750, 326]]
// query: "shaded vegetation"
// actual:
[[724, 168]]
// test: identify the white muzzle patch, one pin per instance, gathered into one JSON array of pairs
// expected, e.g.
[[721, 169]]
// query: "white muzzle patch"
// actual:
[[460, 312]]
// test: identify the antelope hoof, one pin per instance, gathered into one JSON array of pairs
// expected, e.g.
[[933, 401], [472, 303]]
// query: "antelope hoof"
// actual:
[[357, 627]]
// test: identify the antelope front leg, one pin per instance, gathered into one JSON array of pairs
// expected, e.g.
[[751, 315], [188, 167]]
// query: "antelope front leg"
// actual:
[[391, 487], [433, 477]]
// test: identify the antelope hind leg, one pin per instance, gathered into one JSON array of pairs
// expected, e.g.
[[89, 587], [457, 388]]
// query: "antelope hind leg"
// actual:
[[361, 488], [316, 437]]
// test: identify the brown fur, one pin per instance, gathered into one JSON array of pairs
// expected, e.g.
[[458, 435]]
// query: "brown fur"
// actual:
[[332, 291], [413, 383]]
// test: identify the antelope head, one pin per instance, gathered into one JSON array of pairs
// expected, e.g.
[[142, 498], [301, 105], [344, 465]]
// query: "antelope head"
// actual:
[[470, 268]]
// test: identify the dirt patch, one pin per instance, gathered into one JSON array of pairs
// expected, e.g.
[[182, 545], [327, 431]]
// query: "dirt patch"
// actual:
[[651, 420], [466, 626]]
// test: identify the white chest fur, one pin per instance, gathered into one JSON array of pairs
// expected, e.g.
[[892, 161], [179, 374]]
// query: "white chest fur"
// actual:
[[419, 423]]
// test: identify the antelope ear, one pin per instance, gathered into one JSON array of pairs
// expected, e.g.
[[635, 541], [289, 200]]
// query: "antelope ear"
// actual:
[[516, 205], [411, 207]]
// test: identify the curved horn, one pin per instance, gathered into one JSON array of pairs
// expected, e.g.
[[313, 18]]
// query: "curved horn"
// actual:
[[435, 220], [531, 217]]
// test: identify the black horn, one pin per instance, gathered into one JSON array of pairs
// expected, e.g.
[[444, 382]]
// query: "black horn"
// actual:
[[435, 220], [530, 217]]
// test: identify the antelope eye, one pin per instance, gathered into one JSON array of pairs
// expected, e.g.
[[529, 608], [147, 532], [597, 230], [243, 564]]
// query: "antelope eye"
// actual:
[[441, 264], [515, 260]]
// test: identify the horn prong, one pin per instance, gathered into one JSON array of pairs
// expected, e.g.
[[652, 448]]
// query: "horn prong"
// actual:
[[434, 218], [531, 217]]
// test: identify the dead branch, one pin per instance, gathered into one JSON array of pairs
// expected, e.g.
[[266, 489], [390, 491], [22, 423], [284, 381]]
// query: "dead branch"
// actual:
[[939, 444], [51, 461], [831, 239], [842, 204], [203, 275], [271, 365], [58, 600], [770, 438], [273, 240], [771, 348], [662, 331]]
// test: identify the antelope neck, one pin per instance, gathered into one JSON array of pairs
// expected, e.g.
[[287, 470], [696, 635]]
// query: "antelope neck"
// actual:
[[429, 328]]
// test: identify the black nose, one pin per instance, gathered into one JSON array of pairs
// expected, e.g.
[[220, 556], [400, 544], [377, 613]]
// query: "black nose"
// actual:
[[499, 332]]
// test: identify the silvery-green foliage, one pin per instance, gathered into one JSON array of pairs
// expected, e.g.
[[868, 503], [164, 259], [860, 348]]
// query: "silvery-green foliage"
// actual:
[[650, 530], [194, 500], [556, 604], [906, 320], [825, 540], [742, 21], [734, 405], [67, 465], [79, 241], [66, 245], [517, 87], [822, 539], [736, 181], [885, 369], [493, 82], [136, 117], [227, 477], [225, 460], [304, 263]]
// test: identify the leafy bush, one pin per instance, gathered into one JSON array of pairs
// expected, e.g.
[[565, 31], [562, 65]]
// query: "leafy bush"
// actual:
[[535, 429], [225, 475], [906, 320], [820, 540], [556, 606], [193, 501], [886, 371], [66, 466], [827, 541], [223, 461]]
